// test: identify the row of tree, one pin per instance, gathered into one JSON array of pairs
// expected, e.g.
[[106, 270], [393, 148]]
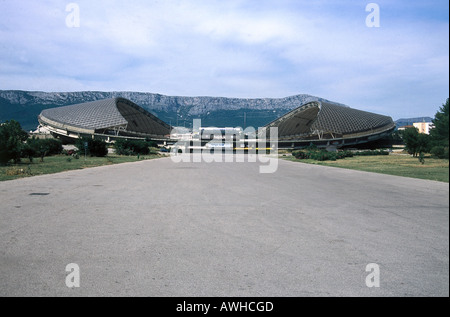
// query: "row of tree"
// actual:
[[99, 148], [437, 143], [15, 144]]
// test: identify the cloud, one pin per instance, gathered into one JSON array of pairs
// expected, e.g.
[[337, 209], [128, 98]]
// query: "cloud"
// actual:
[[233, 48]]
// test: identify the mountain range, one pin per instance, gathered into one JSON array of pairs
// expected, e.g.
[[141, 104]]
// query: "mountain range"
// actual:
[[25, 106]]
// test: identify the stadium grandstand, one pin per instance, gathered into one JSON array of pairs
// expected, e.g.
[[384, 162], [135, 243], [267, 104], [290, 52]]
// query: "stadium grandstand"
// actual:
[[107, 119], [329, 125]]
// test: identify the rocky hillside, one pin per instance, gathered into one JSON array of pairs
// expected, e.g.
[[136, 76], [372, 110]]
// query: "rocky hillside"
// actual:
[[25, 106]]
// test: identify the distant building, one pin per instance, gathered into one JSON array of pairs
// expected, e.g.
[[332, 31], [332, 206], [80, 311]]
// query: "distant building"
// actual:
[[41, 133], [424, 127], [40, 130]]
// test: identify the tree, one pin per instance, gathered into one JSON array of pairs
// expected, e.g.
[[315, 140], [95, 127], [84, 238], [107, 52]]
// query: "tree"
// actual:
[[440, 152], [423, 143], [440, 133], [11, 140], [42, 148], [28, 151], [411, 139], [95, 147], [416, 142]]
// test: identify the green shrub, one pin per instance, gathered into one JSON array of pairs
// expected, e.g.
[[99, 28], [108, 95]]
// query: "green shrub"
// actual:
[[28, 152], [343, 154], [326, 156], [151, 143], [97, 148], [329, 156], [299, 155], [131, 147], [318, 155], [42, 148], [54, 146], [440, 152], [322, 155]]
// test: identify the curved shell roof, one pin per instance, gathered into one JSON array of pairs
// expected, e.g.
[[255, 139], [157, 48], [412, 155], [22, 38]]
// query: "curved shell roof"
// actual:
[[326, 117], [94, 115], [101, 115], [345, 120]]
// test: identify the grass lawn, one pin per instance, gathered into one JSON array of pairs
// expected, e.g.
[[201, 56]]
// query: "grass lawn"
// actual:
[[60, 163], [399, 165]]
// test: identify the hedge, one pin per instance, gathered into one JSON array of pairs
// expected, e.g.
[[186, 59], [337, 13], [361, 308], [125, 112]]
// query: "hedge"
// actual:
[[131, 147], [323, 155]]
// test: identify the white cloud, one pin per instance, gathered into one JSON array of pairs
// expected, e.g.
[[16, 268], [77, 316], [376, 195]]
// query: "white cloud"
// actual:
[[231, 48]]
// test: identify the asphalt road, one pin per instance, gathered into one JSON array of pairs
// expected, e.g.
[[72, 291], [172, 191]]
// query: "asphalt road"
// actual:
[[156, 228]]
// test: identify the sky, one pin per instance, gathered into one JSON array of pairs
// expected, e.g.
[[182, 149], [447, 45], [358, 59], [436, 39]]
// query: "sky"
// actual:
[[234, 48]]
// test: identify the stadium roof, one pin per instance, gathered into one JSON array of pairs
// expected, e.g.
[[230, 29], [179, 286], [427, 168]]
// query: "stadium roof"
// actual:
[[117, 115], [321, 119]]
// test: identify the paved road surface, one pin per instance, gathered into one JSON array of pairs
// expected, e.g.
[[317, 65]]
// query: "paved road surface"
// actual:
[[156, 228]]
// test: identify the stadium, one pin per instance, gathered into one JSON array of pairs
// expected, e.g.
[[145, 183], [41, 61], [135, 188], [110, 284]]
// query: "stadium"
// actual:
[[107, 119], [324, 124], [329, 125]]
